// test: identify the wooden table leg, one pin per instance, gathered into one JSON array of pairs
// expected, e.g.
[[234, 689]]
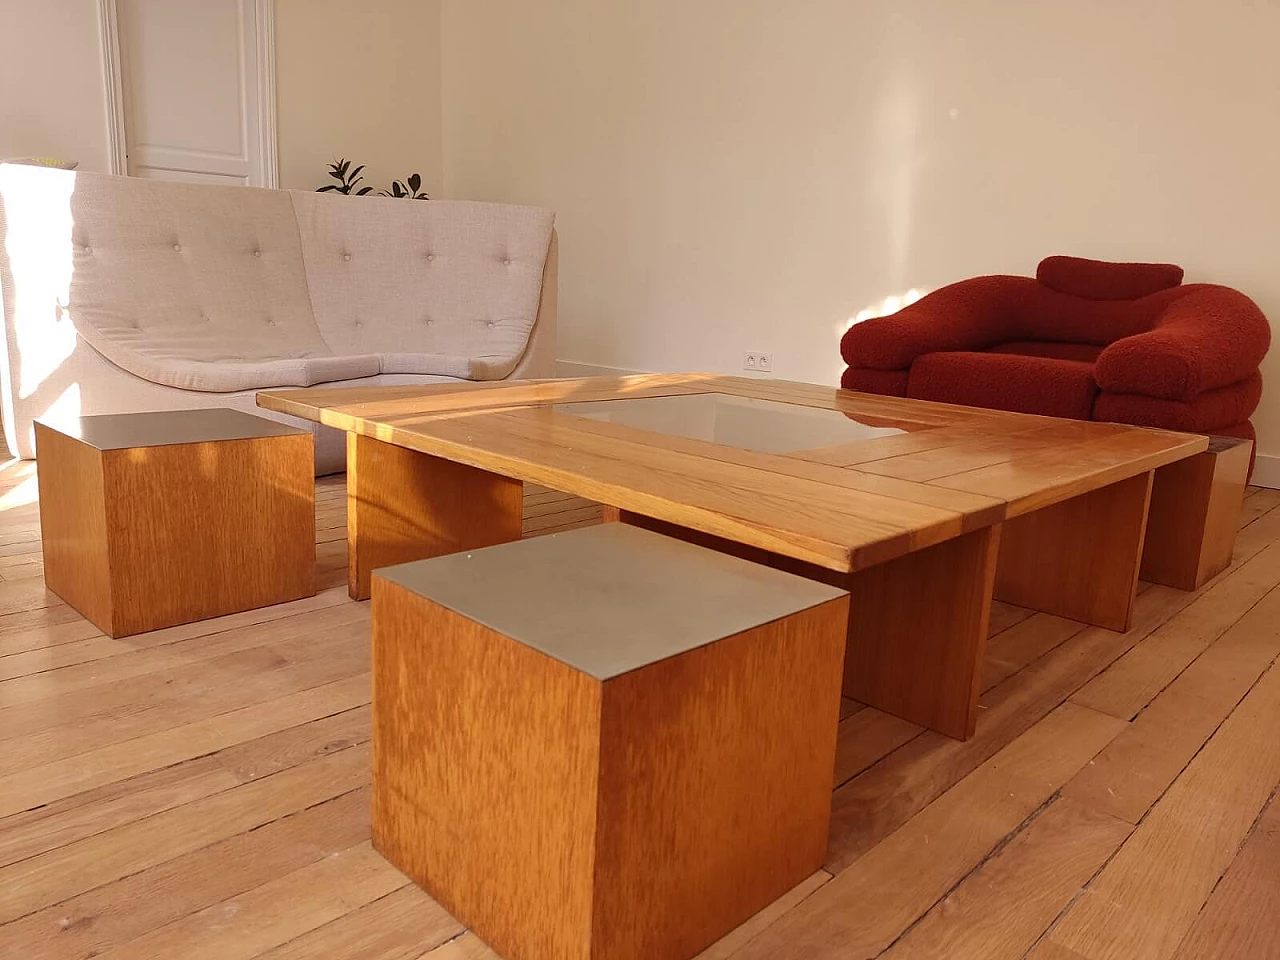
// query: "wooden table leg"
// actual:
[[918, 632], [404, 505], [1195, 512], [1079, 558], [917, 624]]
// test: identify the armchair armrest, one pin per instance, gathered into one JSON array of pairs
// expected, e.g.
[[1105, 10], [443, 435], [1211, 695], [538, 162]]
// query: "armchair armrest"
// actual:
[[970, 315], [1209, 338]]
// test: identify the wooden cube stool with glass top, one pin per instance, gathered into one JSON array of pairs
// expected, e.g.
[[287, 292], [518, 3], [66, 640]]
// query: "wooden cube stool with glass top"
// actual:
[[155, 519], [603, 743]]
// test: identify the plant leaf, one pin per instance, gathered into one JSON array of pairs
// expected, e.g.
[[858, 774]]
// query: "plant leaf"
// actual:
[[326, 188], [415, 182], [363, 190]]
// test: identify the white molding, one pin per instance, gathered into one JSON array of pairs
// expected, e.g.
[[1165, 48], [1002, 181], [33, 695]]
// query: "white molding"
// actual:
[[113, 81], [113, 76], [1266, 471], [268, 161], [572, 368]]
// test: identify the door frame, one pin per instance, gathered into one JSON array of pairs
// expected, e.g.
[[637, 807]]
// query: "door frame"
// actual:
[[266, 161]]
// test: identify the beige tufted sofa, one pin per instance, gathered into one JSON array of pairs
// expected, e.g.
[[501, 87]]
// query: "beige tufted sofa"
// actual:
[[122, 294]]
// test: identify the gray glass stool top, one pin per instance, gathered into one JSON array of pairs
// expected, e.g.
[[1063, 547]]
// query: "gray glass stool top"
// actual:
[[122, 431], [611, 598]]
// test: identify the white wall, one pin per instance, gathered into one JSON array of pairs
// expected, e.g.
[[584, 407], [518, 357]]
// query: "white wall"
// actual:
[[360, 80], [53, 102], [740, 174]]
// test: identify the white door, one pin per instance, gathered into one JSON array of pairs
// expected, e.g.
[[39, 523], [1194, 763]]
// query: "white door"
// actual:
[[195, 79]]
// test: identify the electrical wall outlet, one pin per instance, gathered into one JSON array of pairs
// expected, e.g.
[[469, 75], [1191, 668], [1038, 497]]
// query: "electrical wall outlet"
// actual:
[[757, 362]]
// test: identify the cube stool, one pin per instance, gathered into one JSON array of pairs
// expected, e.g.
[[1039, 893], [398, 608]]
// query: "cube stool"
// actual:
[[154, 519], [1194, 515], [603, 743]]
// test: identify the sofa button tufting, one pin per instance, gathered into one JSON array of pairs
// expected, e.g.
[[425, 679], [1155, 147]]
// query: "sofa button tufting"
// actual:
[[177, 246], [507, 261], [490, 323], [346, 256], [430, 257], [257, 253]]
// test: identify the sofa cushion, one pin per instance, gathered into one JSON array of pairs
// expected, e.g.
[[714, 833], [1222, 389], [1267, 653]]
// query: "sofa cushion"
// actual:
[[434, 287], [171, 281], [1103, 280], [1003, 381], [1085, 352], [1209, 412]]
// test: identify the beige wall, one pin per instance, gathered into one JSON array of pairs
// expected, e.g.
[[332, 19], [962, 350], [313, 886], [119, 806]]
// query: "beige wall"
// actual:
[[740, 174], [52, 96], [360, 80]]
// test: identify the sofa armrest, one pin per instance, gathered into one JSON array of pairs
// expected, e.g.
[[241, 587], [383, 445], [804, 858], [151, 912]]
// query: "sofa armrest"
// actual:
[[970, 315], [538, 362], [1210, 338]]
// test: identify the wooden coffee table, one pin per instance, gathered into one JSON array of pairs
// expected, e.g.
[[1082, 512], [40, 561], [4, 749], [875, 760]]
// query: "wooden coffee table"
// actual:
[[921, 510]]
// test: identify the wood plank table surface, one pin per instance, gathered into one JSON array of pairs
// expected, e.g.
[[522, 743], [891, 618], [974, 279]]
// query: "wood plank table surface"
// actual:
[[922, 510]]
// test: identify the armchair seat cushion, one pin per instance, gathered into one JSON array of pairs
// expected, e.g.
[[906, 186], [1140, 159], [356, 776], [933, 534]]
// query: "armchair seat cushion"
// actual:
[[889, 383], [1084, 352], [1209, 412], [1047, 386]]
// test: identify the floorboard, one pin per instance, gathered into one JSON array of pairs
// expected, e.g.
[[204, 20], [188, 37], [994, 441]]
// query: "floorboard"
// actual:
[[202, 791]]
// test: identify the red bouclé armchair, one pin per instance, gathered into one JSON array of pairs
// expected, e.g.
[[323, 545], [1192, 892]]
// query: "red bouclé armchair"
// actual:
[[1085, 339]]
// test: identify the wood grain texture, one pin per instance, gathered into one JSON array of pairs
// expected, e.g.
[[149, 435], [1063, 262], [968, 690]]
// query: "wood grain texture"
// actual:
[[917, 625], [715, 784], [730, 942], [918, 631], [611, 438], [1079, 558], [1242, 917], [1146, 899], [870, 807], [73, 524], [812, 521], [1139, 765], [1036, 662], [403, 505], [1001, 909], [96, 921], [1195, 512], [1138, 677], [227, 527], [400, 926], [841, 508], [485, 772], [148, 537], [1065, 470], [866, 906], [644, 816]]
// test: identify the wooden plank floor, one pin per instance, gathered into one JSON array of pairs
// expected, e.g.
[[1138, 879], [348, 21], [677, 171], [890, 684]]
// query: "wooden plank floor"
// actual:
[[202, 791]]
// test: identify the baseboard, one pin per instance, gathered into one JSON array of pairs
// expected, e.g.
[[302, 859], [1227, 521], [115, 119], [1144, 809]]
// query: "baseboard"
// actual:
[[572, 368], [1266, 471]]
